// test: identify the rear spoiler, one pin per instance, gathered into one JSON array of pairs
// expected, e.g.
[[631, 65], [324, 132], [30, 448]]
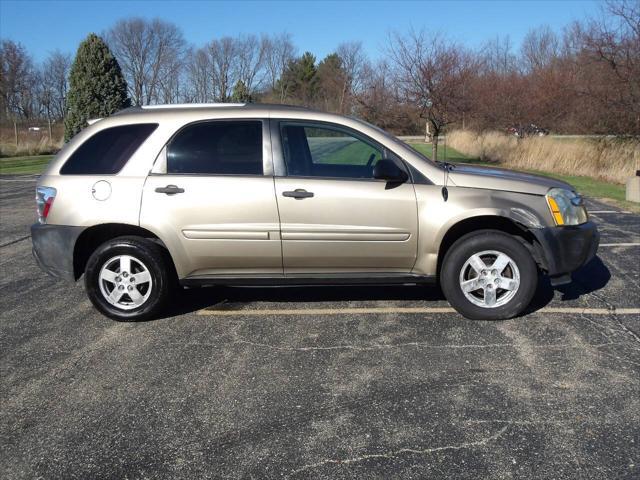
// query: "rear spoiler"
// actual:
[[91, 121]]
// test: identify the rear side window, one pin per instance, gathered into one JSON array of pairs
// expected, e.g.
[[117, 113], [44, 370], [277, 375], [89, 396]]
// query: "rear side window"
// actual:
[[106, 152], [217, 148]]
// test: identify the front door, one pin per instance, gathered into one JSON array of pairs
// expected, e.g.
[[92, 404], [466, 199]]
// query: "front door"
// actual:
[[211, 202], [334, 216]]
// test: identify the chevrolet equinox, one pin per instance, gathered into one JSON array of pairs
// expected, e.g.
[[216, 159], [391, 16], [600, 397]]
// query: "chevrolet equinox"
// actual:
[[162, 197]]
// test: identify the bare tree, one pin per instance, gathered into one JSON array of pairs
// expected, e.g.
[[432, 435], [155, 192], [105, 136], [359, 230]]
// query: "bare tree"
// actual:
[[278, 52], [222, 57], [249, 62], [378, 100], [497, 56], [149, 53], [613, 43], [199, 76], [434, 75], [215, 69], [540, 48], [353, 60], [54, 77], [17, 81]]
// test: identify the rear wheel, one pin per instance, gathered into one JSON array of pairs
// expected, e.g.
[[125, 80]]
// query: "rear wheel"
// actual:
[[128, 279], [489, 275]]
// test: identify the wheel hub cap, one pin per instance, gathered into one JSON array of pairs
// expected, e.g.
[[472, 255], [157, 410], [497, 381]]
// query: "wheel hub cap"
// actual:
[[489, 279], [125, 282]]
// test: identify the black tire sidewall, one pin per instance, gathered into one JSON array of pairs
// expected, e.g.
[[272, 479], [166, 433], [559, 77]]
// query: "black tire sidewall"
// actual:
[[474, 243], [149, 254]]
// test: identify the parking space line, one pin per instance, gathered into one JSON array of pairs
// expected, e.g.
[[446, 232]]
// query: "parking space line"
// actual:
[[212, 311], [630, 244], [608, 211], [18, 179]]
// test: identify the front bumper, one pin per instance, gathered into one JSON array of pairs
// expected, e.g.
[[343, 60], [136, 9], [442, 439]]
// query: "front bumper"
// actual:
[[566, 248], [53, 249]]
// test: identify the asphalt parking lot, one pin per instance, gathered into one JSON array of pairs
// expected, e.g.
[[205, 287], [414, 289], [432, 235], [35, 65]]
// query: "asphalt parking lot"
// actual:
[[333, 382]]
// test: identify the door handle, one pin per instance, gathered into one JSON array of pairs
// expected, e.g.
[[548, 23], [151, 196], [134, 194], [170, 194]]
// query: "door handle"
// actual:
[[298, 194], [170, 189]]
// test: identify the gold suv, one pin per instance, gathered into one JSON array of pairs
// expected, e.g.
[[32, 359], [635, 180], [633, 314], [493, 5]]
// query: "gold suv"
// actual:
[[153, 198]]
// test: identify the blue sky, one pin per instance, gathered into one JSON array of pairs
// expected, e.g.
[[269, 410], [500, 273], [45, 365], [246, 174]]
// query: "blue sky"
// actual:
[[44, 26]]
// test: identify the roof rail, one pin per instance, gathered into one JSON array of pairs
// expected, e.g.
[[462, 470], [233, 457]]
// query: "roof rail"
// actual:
[[192, 105]]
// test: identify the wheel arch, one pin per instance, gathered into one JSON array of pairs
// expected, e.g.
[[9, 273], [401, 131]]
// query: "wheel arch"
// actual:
[[92, 237], [490, 222]]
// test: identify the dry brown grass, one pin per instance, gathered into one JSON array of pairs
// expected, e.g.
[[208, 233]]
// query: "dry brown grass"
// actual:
[[609, 159], [41, 146], [29, 142]]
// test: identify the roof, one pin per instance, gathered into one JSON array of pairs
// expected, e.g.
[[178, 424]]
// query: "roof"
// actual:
[[247, 108]]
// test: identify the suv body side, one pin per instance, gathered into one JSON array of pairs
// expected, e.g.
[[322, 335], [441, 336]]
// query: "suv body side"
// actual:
[[133, 201]]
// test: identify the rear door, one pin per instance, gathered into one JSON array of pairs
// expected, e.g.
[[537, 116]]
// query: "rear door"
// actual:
[[335, 217], [211, 199]]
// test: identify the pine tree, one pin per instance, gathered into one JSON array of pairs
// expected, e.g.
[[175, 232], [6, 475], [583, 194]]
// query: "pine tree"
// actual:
[[96, 86], [241, 93], [332, 83], [300, 79]]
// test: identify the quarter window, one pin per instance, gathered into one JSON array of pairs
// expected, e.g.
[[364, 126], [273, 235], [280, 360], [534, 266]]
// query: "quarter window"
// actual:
[[106, 152], [322, 151], [217, 148]]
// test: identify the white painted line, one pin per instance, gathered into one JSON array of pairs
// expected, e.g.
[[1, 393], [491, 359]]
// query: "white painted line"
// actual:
[[591, 311], [635, 244], [607, 211], [326, 311], [407, 310]]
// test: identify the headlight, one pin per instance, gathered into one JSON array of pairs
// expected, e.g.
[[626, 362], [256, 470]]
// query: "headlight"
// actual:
[[567, 207]]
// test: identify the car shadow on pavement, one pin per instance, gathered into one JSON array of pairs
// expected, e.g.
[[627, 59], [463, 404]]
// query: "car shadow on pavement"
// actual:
[[593, 276], [194, 299], [589, 278]]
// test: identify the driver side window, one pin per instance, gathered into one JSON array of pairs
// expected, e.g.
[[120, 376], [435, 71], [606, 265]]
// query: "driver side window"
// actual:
[[327, 151]]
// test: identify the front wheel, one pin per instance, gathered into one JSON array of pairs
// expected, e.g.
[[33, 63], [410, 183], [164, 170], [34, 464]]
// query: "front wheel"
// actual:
[[127, 279], [489, 275]]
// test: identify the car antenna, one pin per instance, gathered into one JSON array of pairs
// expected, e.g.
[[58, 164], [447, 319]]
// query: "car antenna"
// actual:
[[445, 190]]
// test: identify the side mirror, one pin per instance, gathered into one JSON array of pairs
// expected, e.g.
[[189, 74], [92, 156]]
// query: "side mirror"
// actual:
[[387, 169]]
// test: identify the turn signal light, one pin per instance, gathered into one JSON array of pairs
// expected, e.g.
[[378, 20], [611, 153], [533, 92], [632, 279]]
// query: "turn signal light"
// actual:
[[555, 211]]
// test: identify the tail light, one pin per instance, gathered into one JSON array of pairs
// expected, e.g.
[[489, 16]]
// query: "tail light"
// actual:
[[44, 200]]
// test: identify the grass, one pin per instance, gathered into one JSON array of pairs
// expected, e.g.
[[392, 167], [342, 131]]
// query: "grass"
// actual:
[[449, 154], [611, 160], [588, 186], [595, 189], [24, 165]]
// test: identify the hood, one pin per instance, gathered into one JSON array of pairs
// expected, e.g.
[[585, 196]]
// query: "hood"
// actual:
[[501, 179]]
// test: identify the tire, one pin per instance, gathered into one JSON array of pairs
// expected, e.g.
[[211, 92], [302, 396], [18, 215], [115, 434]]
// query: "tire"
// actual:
[[489, 296], [138, 292]]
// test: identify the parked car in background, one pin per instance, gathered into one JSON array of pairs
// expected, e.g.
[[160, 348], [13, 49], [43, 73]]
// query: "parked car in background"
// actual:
[[530, 130], [156, 198]]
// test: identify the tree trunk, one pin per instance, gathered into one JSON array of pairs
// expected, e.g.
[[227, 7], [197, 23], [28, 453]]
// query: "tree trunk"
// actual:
[[435, 147]]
